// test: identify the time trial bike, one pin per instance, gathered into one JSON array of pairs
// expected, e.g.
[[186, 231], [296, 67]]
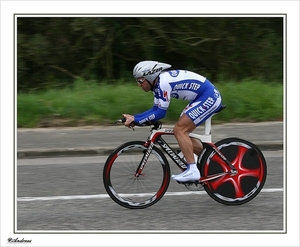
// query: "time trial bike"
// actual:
[[136, 174]]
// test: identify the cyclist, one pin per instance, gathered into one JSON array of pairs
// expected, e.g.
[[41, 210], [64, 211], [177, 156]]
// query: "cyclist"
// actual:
[[204, 100]]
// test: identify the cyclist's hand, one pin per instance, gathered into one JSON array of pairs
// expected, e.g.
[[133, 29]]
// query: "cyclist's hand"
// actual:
[[129, 120]]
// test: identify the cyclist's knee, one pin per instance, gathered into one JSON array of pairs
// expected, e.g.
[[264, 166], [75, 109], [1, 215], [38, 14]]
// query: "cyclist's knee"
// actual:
[[184, 126], [180, 130], [176, 130]]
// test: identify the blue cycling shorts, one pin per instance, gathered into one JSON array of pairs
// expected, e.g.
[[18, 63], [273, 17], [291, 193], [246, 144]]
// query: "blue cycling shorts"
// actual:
[[204, 106]]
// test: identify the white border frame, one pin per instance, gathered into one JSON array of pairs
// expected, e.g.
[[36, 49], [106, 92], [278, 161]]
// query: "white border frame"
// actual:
[[291, 132]]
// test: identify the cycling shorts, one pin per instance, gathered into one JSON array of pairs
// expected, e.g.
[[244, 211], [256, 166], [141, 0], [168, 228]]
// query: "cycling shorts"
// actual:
[[204, 106]]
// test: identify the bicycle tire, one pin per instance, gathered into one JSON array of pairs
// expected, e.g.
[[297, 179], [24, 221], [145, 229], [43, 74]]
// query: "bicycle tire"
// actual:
[[124, 187], [251, 171]]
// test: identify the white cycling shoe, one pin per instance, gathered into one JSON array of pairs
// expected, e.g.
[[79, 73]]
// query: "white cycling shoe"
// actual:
[[189, 175]]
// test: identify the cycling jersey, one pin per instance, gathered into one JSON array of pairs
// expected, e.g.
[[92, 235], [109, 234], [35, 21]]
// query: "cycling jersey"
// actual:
[[204, 99]]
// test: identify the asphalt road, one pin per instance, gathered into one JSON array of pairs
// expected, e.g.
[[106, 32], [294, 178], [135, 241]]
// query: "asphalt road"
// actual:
[[59, 191], [58, 194]]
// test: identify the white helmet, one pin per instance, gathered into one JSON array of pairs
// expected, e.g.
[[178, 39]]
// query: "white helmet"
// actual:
[[149, 69]]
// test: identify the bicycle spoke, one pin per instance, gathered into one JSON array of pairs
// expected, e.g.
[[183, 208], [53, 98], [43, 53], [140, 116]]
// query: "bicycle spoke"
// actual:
[[133, 190]]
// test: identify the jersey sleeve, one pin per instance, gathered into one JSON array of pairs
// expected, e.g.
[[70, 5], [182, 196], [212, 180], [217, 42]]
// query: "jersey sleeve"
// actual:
[[153, 114], [146, 113]]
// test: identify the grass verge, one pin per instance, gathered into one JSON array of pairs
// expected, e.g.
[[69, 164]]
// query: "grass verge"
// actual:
[[91, 103]]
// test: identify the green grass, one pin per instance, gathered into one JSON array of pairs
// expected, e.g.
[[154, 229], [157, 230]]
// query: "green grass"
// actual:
[[89, 103]]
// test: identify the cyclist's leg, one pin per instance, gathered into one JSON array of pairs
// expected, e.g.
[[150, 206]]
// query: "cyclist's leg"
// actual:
[[192, 116], [197, 146], [181, 132], [199, 111]]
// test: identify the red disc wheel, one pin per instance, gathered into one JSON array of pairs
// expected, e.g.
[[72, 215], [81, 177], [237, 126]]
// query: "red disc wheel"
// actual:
[[251, 171]]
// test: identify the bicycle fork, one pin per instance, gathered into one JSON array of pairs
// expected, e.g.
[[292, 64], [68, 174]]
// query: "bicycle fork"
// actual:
[[144, 160], [156, 138]]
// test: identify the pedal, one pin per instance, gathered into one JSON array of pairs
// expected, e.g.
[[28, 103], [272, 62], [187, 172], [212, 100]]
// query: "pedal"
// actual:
[[189, 182], [192, 186]]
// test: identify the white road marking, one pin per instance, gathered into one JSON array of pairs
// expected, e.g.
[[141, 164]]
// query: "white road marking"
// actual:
[[103, 196]]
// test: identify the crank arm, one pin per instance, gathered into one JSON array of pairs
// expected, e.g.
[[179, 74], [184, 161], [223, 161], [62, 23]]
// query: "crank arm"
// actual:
[[215, 176]]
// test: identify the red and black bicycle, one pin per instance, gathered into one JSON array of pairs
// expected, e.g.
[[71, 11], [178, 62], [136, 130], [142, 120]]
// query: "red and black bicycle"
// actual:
[[136, 174]]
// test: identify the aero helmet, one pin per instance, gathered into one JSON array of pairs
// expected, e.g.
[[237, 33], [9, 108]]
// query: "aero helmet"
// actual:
[[149, 69]]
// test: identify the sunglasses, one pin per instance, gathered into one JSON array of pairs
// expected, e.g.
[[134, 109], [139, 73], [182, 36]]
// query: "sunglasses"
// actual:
[[140, 80]]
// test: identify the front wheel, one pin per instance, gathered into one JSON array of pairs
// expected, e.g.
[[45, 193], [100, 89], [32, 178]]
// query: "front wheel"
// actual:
[[251, 168], [129, 190]]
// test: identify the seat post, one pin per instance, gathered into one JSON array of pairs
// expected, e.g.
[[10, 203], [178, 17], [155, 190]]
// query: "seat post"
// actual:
[[207, 129], [206, 136]]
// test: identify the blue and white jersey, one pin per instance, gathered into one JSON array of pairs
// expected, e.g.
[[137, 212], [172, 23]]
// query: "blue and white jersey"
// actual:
[[179, 84]]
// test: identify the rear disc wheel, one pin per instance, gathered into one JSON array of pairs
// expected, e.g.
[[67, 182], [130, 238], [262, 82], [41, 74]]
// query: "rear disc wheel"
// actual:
[[251, 168]]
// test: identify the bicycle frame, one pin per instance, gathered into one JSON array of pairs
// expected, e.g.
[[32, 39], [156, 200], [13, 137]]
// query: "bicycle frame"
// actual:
[[156, 137]]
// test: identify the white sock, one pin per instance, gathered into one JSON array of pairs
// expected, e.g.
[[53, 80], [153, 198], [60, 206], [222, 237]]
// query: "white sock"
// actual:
[[192, 166]]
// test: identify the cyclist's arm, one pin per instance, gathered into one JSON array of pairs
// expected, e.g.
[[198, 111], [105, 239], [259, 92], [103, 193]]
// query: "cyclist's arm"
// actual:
[[154, 114], [146, 113]]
